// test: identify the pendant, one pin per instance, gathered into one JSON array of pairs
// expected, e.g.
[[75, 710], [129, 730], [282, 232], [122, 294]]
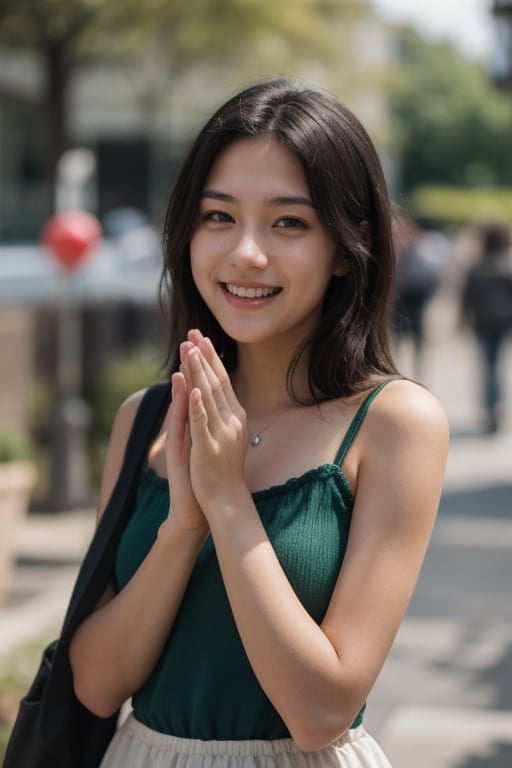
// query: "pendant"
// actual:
[[255, 439]]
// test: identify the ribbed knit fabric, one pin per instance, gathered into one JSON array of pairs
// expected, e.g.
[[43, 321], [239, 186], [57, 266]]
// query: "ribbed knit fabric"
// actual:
[[203, 686]]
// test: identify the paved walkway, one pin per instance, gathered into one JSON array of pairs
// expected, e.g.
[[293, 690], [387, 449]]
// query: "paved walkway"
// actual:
[[50, 548], [425, 710], [444, 697]]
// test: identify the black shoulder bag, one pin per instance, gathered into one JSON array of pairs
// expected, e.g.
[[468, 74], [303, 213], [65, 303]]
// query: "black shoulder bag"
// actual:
[[53, 729]]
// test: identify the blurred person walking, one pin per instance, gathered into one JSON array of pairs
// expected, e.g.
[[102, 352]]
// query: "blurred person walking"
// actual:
[[420, 256], [487, 308]]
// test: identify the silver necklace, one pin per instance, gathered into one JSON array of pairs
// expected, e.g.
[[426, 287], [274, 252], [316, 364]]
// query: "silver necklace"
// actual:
[[255, 437]]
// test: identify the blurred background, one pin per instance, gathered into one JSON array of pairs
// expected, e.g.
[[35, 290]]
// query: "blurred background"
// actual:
[[99, 100]]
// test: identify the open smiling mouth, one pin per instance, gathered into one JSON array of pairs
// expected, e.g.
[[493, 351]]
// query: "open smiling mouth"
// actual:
[[250, 293]]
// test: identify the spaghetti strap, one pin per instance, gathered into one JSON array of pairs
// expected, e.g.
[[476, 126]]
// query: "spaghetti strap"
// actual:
[[358, 420]]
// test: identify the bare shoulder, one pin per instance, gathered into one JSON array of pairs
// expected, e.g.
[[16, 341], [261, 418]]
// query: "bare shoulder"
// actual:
[[402, 460], [117, 444], [405, 410], [126, 413]]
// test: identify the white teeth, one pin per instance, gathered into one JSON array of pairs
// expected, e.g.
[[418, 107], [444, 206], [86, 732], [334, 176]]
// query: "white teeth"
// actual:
[[250, 293]]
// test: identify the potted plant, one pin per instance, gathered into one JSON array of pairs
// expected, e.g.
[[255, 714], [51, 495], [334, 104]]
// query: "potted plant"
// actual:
[[17, 477]]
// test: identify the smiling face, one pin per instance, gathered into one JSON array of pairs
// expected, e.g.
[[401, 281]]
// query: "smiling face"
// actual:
[[260, 257]]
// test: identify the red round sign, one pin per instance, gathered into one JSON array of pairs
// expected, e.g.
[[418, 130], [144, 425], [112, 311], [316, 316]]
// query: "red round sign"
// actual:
[[70, 235]]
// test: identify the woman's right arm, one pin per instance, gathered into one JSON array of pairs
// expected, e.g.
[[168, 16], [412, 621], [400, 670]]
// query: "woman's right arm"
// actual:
[[113, 652]]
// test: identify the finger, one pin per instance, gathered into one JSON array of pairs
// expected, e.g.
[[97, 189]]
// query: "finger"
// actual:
[[196, 339], [217, 367], [195, 336], [185, 348], [198, 417], [216, 372], [217, 388], [177, 416], [179, 394], [213, 399]]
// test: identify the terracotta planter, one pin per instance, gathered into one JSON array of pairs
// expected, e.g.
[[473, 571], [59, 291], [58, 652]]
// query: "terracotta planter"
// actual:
[[16, 482]]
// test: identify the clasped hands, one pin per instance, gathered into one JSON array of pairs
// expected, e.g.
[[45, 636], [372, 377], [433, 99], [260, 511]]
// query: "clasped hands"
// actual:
[[206, 440]]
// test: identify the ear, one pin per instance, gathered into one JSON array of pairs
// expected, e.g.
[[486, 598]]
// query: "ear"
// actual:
[[365, 229], [340, 266]]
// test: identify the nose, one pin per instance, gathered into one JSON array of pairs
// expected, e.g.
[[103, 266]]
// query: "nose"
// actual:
[[248, 251]]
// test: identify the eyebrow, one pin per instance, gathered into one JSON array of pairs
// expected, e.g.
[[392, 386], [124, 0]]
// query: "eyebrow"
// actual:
[[273, 201]]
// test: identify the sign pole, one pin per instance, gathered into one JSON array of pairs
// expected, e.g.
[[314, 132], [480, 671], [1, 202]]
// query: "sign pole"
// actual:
[[70, 237]]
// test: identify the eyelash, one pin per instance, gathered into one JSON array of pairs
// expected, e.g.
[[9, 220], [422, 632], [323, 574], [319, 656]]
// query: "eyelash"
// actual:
[[221, 217], [297, 223]]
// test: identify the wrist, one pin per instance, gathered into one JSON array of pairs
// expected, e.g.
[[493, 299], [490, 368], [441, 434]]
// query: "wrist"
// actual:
[[188, 533], [228, 505]]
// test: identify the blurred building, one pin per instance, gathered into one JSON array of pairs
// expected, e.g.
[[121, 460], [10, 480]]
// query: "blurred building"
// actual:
[[136, 120], [136, 123]]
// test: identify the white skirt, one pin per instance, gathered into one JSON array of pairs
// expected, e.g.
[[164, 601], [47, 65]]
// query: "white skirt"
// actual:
[[136, 746]]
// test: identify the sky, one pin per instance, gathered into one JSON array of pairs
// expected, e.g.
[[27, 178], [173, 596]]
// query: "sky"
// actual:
[[468, 23]]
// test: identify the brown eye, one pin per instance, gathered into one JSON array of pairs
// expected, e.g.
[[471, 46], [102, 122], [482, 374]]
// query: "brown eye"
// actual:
[[220, 217], [290, 222]]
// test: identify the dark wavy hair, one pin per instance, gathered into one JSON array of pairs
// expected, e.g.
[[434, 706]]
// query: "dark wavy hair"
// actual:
[[348, 190]]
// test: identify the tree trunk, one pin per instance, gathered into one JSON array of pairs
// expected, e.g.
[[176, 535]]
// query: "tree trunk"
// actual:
[[56, 107]]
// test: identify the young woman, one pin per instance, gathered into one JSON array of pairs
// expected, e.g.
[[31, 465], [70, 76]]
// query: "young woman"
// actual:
[[288, 501]]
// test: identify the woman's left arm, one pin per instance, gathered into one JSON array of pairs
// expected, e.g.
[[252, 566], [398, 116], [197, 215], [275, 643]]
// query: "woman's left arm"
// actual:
[[318, 677]]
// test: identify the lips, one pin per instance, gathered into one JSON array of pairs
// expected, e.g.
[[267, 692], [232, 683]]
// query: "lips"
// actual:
[[259, 292]]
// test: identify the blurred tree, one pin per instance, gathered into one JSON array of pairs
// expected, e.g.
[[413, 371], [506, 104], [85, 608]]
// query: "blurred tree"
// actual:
[[167, 37], [451, 125]]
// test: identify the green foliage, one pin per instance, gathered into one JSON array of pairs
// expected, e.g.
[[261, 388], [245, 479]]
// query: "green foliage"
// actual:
[[452, 127], [163, 40], [125, 374], [186, 29], [14, 446], [456, 205]]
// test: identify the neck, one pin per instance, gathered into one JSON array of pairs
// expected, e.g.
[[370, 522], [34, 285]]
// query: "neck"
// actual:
[[260, 380]]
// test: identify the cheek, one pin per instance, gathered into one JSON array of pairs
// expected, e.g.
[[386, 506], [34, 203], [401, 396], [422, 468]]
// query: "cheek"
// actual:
[[197, 257], [203, 250], [197, 270], [202, 267]]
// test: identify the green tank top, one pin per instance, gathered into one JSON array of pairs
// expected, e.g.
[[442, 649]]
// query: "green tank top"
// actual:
[[203, 686]]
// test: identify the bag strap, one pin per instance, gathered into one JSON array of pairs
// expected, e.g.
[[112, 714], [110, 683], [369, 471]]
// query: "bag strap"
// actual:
[[98, 564], [96, 569]]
